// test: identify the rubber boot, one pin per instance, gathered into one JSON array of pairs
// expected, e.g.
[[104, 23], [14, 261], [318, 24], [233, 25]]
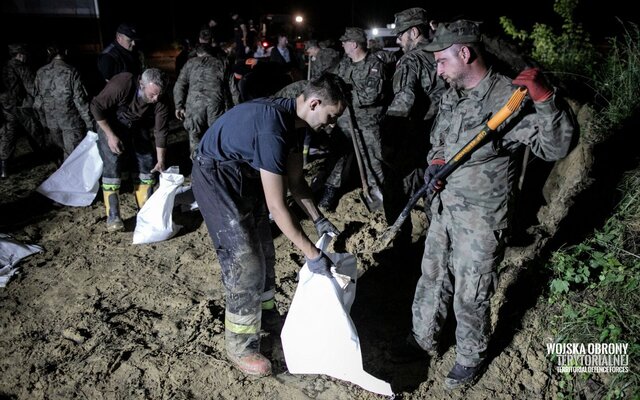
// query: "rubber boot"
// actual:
[[251, 364], [112, 205], [4, 173], [142, 191]]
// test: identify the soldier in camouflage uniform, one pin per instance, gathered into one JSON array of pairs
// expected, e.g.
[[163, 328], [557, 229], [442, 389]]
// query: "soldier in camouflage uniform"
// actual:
[[465, 241], [366, 76], [17, 106], [405, 138], [201, 93], [320, 60], [61, 101]]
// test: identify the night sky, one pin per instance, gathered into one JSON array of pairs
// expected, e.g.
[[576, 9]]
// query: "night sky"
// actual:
[[161, 22]]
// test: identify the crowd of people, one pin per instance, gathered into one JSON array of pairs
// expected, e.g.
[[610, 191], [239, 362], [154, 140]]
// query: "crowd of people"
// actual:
[[250, 121]]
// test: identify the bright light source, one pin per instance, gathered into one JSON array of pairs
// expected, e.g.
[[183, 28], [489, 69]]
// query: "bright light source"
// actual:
[[265, 44], [374, 31], [299, 18], [391, 26]]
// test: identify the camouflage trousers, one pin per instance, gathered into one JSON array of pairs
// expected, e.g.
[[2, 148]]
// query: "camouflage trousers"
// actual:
[[65, 140], [458, 266], [231, 200], [19, 120], [343, 156], [198, 118]]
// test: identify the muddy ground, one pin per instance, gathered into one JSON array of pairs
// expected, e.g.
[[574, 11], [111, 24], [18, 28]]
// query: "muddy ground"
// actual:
[[95, 317]]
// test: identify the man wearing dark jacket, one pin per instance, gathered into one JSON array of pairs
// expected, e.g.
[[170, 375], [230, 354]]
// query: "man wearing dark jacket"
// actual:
[[120, 55]]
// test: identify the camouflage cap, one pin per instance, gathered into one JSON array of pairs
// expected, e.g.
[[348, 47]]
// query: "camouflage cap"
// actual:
[[355, 34], [450, 33], [409, 18], [310, 44]]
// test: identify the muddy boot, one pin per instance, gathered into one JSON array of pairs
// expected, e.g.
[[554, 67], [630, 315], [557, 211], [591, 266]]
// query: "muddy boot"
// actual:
[[461, 376], [254, 364], [112, 206], [330, 198], [143, 191], [4, 170]]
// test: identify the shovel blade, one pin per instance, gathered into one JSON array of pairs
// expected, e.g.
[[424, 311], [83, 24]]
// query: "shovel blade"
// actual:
[[372, 202]]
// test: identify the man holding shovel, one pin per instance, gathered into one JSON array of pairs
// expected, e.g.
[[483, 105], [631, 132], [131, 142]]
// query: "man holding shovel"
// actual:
[[416, 92], [360, 125], [471, 213]]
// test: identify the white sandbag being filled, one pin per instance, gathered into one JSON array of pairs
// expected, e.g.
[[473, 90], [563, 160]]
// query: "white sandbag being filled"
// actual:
[[319, 336], [76, 182], [154, 222]]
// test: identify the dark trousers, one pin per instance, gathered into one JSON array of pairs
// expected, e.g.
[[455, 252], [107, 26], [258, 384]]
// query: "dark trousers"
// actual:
[[231, 200], [138, 156]]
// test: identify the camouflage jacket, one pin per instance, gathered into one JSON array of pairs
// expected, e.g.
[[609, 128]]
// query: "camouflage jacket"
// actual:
[[416, 87], [17, 79], [61, 98], [324, 60], [366, 78], [202, 80], [292, 90], [480, 192]]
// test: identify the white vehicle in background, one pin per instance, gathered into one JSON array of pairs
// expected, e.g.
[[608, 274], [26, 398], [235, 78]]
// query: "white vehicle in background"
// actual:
[[385, 35]]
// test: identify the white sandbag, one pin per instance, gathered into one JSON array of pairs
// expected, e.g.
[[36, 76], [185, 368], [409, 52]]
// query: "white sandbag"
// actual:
[[319, 336], [76, 182], [185, 199], [11, 252], [154, 222]]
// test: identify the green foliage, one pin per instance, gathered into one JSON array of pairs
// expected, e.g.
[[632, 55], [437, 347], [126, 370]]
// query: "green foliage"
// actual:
[[618, 81], [568, 50], [594, 294]]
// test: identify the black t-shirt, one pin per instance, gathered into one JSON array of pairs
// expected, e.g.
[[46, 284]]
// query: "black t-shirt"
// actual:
[[261, 132]]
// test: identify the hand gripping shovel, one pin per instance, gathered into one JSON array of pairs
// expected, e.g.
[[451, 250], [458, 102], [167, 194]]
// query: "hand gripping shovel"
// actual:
[[458, 159], [372, 202]]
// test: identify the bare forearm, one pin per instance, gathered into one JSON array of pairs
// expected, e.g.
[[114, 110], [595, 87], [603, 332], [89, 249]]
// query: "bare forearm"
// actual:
[[291, 228]]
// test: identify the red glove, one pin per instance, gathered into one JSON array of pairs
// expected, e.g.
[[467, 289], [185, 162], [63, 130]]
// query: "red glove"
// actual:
[[534, 81], [435, 185]]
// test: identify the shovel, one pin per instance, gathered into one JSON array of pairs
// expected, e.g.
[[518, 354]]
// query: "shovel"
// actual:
[[458, 159], [371, 198]]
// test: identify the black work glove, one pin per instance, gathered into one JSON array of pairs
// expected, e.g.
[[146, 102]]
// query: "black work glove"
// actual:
[[435, 185], [323, 225], [320, 265]]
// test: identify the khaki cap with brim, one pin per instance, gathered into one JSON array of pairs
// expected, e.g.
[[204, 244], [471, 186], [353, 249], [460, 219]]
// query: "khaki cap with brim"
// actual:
[[409, 18], [450, 33]]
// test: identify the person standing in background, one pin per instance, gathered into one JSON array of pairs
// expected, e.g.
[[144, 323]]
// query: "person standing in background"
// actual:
[[365, 74], [61, 100], [405, 140], [121, 55], [17, 106], [201, 93]]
